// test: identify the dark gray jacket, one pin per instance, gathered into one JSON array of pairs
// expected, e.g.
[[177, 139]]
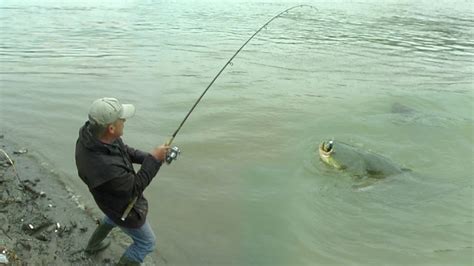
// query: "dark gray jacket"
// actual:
[[108, 172]]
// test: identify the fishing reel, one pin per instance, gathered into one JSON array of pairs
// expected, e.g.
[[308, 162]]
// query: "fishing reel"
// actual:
[[172, 154]]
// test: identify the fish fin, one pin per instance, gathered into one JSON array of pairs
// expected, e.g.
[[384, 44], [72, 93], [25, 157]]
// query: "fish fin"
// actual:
[[375, 174]]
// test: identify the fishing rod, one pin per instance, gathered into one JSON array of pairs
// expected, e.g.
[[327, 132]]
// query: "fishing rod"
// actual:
[[173, 153]]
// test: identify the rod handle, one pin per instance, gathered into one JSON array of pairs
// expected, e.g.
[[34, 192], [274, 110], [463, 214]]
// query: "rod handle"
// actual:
[[129, 208]]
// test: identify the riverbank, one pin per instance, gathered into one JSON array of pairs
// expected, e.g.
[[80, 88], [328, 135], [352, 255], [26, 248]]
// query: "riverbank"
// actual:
[[41, 220]]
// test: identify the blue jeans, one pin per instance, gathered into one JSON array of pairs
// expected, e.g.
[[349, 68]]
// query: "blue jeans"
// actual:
[[144, 240]]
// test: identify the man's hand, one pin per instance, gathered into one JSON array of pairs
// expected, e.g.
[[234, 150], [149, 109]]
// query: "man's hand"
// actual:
[[160, 152]]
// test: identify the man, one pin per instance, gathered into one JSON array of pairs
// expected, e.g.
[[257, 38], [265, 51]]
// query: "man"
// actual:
[[104, 163]]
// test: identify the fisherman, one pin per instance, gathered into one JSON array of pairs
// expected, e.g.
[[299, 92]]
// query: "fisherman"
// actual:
[[104, 163]]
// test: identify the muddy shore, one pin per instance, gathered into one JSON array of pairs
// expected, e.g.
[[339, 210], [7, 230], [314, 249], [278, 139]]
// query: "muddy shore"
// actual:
[[41, 220]]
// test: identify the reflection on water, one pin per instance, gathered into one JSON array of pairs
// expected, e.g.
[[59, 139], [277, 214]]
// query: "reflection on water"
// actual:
[[393, 77]]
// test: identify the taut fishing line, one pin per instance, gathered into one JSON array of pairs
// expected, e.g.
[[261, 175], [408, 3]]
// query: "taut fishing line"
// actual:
[[174, 151]]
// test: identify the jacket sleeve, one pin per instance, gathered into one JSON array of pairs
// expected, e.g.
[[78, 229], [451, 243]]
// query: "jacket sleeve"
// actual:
[[137, 156], [126, 183]]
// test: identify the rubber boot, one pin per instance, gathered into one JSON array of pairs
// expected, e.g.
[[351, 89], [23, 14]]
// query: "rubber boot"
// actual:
[[97, 242], [125, 261]]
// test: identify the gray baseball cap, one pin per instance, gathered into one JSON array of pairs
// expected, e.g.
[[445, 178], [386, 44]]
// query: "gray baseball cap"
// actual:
[[105, 111]]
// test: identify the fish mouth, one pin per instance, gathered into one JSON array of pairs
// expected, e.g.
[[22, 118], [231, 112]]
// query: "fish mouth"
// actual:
[[326, 148]]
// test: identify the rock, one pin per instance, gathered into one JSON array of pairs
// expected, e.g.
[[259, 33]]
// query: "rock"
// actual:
[[24, 243], [36, 224], [43, 237], [21, 151], [3, 259], [73, 224], [5, 164]]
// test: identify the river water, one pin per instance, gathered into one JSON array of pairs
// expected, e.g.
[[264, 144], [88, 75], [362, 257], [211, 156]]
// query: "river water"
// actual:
[[395, 77]]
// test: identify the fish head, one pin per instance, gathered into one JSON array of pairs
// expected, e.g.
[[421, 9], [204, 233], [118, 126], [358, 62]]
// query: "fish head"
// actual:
[[327, 150]]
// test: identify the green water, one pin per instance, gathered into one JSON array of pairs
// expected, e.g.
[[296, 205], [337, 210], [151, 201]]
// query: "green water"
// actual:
[[249, 188]]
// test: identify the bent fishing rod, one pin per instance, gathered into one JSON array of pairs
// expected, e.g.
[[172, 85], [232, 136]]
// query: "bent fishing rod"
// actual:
[[174, 151]]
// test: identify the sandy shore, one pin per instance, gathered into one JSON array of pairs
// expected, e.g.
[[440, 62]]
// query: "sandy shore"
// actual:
[[42, 222]]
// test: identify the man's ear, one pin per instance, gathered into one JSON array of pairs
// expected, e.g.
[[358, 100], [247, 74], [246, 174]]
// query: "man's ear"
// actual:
[[111, 129]]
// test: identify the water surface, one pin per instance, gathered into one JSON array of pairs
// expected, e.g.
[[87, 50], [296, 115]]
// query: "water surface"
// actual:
[[249, 188]]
